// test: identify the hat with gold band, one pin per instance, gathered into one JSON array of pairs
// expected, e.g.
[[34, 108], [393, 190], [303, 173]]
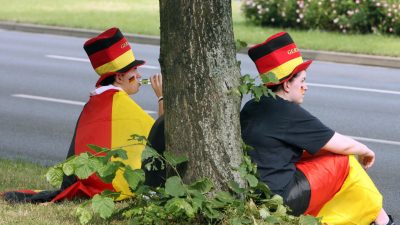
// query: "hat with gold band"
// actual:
[[110, 53], [279, 55]]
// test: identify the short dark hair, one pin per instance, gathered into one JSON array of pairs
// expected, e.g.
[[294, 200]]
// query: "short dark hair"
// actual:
[[107, 81], [278, 87]]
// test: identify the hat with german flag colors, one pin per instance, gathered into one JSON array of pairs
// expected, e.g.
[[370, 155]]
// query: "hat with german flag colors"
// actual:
[[110, 53], [279, 55]]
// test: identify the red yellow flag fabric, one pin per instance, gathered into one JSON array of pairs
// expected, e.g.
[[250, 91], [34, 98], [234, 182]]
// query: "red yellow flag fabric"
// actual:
[[358, 202], [108, 120], [340, 190]]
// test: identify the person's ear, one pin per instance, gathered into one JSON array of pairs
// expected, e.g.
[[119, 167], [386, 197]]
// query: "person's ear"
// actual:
[[119, 78], [286, 86]]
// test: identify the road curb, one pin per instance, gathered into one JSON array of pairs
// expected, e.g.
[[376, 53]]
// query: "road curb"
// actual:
[[338, 57]]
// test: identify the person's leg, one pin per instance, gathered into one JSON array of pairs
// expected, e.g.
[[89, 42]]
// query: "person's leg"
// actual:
[[383, 218], [359, 194], [325, 174]]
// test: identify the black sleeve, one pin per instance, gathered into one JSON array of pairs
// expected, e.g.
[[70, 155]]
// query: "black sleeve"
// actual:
[[306, 131]]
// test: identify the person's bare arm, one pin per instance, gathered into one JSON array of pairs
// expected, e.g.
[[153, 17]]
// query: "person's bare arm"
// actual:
[[344, 145], [156, 84]]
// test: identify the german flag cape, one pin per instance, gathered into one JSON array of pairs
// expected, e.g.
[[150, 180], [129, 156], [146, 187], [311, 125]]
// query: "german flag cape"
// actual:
[[107, 120], [342, 193]]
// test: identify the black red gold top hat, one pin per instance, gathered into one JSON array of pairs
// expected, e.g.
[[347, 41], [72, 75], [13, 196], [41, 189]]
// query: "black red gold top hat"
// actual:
[[279, 55], [110, 53]]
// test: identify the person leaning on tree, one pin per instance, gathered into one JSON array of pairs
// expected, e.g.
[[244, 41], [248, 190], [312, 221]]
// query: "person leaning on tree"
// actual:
[[108, 119], [311, 166]]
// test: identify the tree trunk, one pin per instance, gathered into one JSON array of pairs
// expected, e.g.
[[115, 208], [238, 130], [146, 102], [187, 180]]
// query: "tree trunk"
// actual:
[[199, 67]]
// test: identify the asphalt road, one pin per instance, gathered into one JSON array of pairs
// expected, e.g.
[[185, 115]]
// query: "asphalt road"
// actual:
[[45, 80]]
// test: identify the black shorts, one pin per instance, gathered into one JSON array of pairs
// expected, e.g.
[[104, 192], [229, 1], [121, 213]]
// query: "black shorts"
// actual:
[[297, 194]]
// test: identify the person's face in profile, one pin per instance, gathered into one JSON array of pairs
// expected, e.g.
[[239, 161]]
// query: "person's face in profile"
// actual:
[[297, 87], [130, 81]]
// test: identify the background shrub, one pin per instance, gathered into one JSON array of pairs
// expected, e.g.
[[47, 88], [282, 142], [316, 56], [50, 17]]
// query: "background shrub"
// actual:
[[355, 16]]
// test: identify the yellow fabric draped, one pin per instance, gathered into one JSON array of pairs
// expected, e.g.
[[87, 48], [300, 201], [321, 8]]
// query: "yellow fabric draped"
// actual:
[[357, 203], [128, 118]]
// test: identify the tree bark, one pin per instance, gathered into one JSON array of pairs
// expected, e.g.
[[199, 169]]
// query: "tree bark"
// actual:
[[199, 67]]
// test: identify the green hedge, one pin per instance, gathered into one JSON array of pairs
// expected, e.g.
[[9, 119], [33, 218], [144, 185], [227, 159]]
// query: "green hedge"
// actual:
[[354, 16]]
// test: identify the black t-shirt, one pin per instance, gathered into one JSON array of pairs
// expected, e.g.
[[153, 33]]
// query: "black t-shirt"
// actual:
[[279, 131]]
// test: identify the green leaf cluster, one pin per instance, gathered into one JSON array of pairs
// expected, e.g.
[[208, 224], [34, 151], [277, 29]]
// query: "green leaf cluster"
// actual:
[[248, 85], [176, 202]]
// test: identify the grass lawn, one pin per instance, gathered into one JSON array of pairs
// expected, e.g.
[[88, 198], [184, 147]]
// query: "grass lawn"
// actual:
[[17, 174], [142, 17]]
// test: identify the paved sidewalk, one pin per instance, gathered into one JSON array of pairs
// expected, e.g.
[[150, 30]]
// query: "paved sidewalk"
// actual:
[[383, 61]]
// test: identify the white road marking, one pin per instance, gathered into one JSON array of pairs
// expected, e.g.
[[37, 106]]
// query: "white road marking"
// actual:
[[67, 58], [354, 88], [380, 141], [40, 98], [58, 100], [310, 84], [65, 101], [87, 60]]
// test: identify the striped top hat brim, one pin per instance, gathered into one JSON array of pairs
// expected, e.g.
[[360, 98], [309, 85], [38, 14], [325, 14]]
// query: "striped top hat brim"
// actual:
[[122, 71], [110, 53], [278, 55]]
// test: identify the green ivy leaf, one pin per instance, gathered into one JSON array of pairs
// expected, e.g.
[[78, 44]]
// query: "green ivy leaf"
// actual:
[[240, 44], [257, 92], [264, 213], [272, 220], [265, 189], [119, 153], [109, 169], [269, 78], [139, 138], [149, 152], [215, 204], [174, 160], [84, 215], [174, 187], [309, 220], [271, 93], [235, 221], [98, 148], [143, 189], [133, 177], [242, 170], [197, 203], [103, 206], [68, 169], [236, 92], [225, 197], [246, 79], [132, 212], [82, 166], [277, 200], [253, 181], [247, 160], [178, 206], [211, 213], [81, 159], [246, 147], [280, 211], [55, 176], [95, 163], [83, 172], [235, 187], [243, 89], [112, 194], [203, 186]]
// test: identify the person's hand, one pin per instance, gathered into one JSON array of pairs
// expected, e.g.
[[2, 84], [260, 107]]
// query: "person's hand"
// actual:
[[367, 159], [156, 84]]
